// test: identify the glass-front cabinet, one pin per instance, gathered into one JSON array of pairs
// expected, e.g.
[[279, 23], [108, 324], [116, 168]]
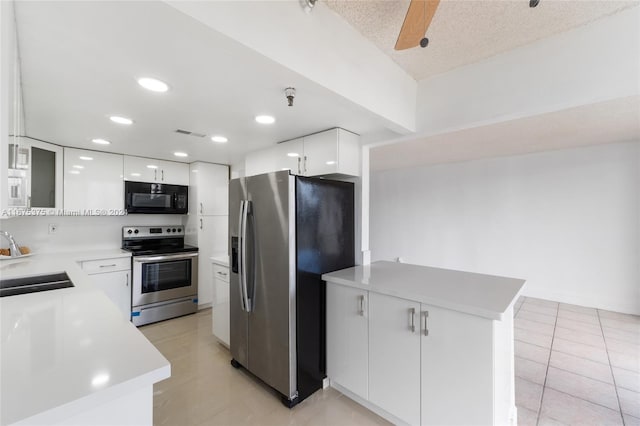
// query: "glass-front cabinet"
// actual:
[[34, 174]]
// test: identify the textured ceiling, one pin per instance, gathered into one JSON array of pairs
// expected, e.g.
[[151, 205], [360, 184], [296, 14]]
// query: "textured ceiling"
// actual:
[[604, 122], [467, 31]]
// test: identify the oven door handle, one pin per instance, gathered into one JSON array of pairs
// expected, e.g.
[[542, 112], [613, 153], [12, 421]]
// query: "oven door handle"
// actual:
[[142, 259]]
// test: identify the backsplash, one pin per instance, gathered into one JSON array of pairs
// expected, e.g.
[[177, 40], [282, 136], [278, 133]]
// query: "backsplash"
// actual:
[[75, 233]]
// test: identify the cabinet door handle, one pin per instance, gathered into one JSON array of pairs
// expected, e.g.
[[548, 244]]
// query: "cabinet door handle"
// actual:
[[200, 208], [299, 169], [425, 328], [412, 319], [155, 174], [305, 164], [200, 223], [126, 282], [361, 305], [108, 266], [162, 174]]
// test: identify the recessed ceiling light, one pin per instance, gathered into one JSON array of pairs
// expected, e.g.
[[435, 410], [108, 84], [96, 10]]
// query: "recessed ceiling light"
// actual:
[[180, 154], [85, 158], [265, 119], [285, 168], [135, 174], [101, 141], [77, 166], [330, 163], [120, 120], [151, 166], [153, 84], [293, 154], [219, 139], [74, 172]]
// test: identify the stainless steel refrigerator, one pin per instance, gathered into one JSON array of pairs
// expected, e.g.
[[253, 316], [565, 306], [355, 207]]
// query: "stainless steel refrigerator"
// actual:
[[284, 232]]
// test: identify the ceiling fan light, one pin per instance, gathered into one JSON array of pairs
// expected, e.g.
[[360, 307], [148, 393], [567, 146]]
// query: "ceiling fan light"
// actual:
[[533, 3]]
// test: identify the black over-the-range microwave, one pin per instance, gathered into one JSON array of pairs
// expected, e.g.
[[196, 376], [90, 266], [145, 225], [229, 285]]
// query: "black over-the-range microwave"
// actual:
[[156, 198]]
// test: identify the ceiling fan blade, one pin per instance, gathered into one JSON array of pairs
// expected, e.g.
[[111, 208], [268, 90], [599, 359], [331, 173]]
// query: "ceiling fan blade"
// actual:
[[416, 22]]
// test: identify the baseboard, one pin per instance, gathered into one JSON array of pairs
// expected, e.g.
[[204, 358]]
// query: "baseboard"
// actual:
[[366, 404], [626, 307]]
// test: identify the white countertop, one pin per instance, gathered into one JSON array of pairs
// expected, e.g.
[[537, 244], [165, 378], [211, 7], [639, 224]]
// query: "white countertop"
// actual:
[[476, 294], [67, 350], [222, 260]]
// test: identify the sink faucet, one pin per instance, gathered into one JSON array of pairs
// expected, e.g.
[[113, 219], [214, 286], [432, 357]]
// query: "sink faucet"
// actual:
[[15, 251]]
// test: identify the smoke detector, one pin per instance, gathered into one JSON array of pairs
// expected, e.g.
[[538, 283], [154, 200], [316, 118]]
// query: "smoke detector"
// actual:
[[308, 5], [290, 93]]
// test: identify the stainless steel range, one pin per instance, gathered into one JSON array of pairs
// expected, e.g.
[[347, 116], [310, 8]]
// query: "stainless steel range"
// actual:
[[165, 273]]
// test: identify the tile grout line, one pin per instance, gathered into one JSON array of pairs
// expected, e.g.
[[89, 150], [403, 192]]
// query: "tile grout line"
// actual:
[[613, 377], [571, 395], [546, 373]]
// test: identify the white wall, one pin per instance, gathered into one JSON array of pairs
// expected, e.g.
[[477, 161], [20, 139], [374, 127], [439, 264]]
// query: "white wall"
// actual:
[[566, 221], [77, 232]]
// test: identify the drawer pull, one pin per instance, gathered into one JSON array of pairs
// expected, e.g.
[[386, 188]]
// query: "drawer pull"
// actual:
[[361, 305], [224, 274], [108, 266]]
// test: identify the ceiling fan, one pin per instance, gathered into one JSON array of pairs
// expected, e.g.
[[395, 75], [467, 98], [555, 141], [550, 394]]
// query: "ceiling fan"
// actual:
[[415, 24], [417, 21]]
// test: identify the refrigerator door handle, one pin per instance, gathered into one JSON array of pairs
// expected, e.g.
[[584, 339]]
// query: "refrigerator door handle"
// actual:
[[248, 301], [241, 271], [243, 259]]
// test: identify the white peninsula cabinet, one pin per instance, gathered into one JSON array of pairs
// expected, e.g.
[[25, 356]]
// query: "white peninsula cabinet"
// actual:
[[93, 182], [332, 152], [422, 345], [141, 169]]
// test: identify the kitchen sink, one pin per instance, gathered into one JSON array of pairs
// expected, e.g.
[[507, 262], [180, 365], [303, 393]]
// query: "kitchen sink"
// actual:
[[34, 283]]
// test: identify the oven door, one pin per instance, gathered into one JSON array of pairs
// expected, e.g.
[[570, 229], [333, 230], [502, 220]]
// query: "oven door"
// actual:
[[164, 277]]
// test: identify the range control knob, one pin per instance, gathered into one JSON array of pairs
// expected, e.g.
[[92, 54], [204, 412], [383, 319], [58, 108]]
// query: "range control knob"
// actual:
[[136, 231], [129, 231], [173, 230], [179, 229], [168, 230]]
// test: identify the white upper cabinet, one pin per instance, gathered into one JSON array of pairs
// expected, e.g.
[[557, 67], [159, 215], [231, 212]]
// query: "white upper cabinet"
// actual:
[[332, 152], [141, 169], [209, 189], [335, 151], [288, 156], [93, 182]]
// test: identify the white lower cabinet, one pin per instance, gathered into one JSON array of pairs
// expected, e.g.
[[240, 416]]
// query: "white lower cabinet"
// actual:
[[220, 305], [347, 338], [394, 356], [459, 343], [419, 364], [113, 277]]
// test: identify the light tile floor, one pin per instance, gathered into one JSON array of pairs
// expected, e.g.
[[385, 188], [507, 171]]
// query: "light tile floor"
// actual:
[[204, 389], [574, 366]]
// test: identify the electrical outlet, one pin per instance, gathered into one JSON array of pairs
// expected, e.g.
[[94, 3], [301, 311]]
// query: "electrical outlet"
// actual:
[[53, 228]]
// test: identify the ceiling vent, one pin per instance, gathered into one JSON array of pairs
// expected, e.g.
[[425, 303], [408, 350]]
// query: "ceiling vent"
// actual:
[[187, 132]]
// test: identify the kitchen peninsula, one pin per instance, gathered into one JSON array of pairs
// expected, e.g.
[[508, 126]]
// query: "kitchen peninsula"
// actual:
[[422, 345], [69, 356]]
